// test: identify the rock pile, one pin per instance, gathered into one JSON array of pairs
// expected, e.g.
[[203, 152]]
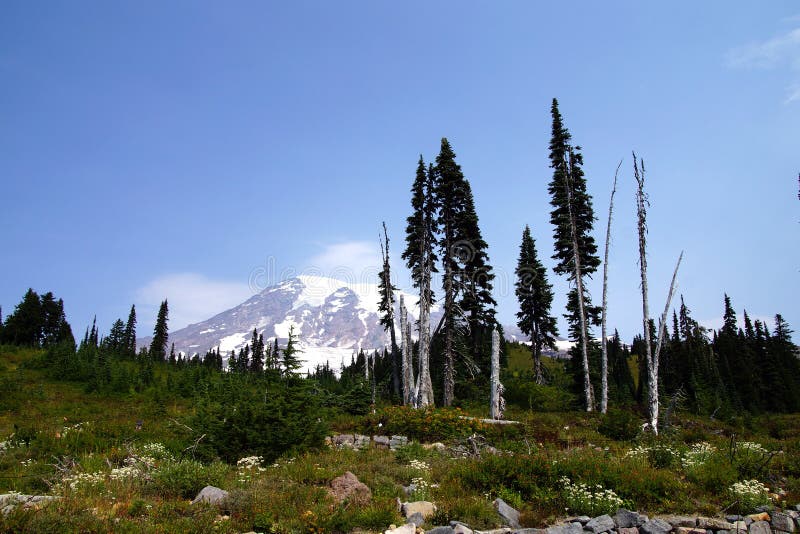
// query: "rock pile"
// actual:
[[360, 441], [623, 522]]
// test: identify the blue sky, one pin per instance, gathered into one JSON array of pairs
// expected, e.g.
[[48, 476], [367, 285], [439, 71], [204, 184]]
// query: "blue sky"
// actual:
[[197, 150]]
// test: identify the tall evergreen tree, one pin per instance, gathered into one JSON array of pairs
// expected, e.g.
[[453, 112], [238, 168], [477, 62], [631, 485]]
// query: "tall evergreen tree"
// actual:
[[24, 325], [575, 249], [130, 334], [535, 296], [291, 361], [451, 193], [476, 281], [420, 257], [386, 309], [158, 346]]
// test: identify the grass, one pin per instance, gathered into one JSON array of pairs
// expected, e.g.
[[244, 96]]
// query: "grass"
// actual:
[[59, 440]]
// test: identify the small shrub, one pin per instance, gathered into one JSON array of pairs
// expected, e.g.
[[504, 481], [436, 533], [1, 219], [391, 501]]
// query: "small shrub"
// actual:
[[620, 425], [186, 478], [748, 495]]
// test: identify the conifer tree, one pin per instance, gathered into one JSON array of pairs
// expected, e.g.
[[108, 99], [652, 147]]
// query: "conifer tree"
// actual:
[[24, 325], [158, 346], [420, 257], [575, 249], [386, 309], [130, 334], [535, 296], [291, 361], [256, 352], [476, 280], [451, 195]]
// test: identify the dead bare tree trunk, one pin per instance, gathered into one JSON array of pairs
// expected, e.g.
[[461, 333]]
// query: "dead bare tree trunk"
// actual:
[[496, 394], [389, 298], [652, 371], [407, 368], [423, 394], [604, 336], [662, 323], [587, 382]]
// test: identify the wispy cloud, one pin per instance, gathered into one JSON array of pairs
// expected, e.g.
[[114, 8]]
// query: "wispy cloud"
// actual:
[[192, 298], [779, 52], [352, 261]]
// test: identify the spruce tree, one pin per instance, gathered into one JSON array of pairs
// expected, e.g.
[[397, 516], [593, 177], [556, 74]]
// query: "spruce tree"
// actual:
[[535, 296], [386, 309], [451, 194], [24, 325], [158, 346], [420, 257], [130, 334], [476, 281], [575, 249]]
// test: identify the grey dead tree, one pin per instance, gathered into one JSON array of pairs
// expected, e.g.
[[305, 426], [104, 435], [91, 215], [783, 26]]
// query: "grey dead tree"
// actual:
[[652, 357], [497, 403], [386, 307], [407, 371], [578, 270], [604, 360]]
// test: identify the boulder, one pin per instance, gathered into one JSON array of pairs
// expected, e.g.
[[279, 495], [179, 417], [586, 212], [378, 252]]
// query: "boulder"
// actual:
[[582, 519], [397, 441], [494, 531], [438, 446], [360, 441], [739, 527], [627, 530], [416, 518], [509, 515], [424, 508], [761, 516], [382, 442], [759, 527], [627, 519], [408, 528], [343, 441], [529, 531], [570, 528], [782, 522], [680, 520], [655, 526], [689, 530], [211, 495], [348, 488], [460, 528], [600, 524], [712, 523], [440, 530]]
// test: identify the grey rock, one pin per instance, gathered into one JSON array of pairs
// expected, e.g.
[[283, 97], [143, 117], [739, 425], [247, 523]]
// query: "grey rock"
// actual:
[[382, 442], [655, 526], [343, 440], [508, 514], [360, 441], [627, 519], [416, 518], [782, 522], [211, 495], [397, 441], [461, 529], [408, 528], [712, 523], [573, 528], [680, 520], [494, 531], [603, 523], [689, 530], [759, 527], [529, 531], [629, 530], [763, 508], [739, 527], [408, 490], [424, 508], [440, 530], [734, 518], [582, 519]]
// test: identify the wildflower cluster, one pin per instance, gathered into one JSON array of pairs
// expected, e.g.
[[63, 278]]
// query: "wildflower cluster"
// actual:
[[285, 462], [418, 465], [751, 447], [749, 495], [77, 427], [84, 480], [134, 467], [156, 451], [7, 444], [584, 499], [247, 466], [697, 455]]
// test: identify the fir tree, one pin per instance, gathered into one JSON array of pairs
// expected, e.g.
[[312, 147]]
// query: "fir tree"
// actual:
[[24, 325], [257, 353], [158, 346], [575, 249], [451, 195], [535, 296], [420, 257], [130, 334], [386, 309], [291, 362]]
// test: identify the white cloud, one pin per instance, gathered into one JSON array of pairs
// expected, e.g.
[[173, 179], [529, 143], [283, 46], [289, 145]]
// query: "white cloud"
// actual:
[[350, 261], [784, 48], [779, 52], [192, 298]]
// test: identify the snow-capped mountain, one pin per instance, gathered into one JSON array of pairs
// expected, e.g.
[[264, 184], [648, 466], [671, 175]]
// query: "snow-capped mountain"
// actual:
[[331, 319]]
